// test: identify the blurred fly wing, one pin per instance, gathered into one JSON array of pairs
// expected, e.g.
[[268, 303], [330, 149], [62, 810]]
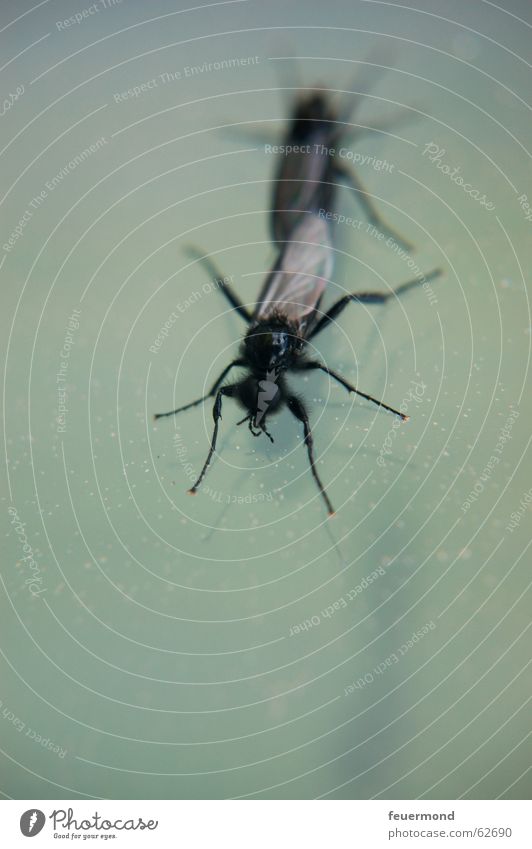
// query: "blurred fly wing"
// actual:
[[296, 284], [288, 82], [287, 70], [407, 114], [301, 186], [364, 81]]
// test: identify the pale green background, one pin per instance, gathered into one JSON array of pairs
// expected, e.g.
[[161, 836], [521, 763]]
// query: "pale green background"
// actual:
[[159, 656]]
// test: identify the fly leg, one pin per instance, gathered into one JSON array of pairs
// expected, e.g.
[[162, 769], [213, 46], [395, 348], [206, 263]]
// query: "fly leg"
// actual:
[[253, 428], [371, 298], [298, 410], [217, 415], [350, 388], [350, 179], [209, 394], [220, 281]]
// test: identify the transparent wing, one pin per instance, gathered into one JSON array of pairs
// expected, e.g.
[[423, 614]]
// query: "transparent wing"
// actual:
[[298, 281]]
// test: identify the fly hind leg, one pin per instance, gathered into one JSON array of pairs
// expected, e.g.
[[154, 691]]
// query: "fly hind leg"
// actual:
[[350, 179]]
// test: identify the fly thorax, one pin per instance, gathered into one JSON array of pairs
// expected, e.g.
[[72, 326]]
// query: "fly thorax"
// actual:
[[268, 346]]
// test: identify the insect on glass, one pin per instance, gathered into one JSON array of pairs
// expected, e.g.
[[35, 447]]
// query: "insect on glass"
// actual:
[[286, 316]]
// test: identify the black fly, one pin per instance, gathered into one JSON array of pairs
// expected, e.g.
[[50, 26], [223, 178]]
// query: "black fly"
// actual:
[[287, 314]]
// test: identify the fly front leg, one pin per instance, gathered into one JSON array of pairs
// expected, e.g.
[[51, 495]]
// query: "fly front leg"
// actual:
[[217, 415], [221, 282], [210, 393], [371, 298], [298, 410], [350, 388]]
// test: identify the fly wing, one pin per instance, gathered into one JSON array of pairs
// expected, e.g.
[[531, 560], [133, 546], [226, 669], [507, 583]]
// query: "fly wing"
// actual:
[[297, 282], [369, 73], [302, 184]]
